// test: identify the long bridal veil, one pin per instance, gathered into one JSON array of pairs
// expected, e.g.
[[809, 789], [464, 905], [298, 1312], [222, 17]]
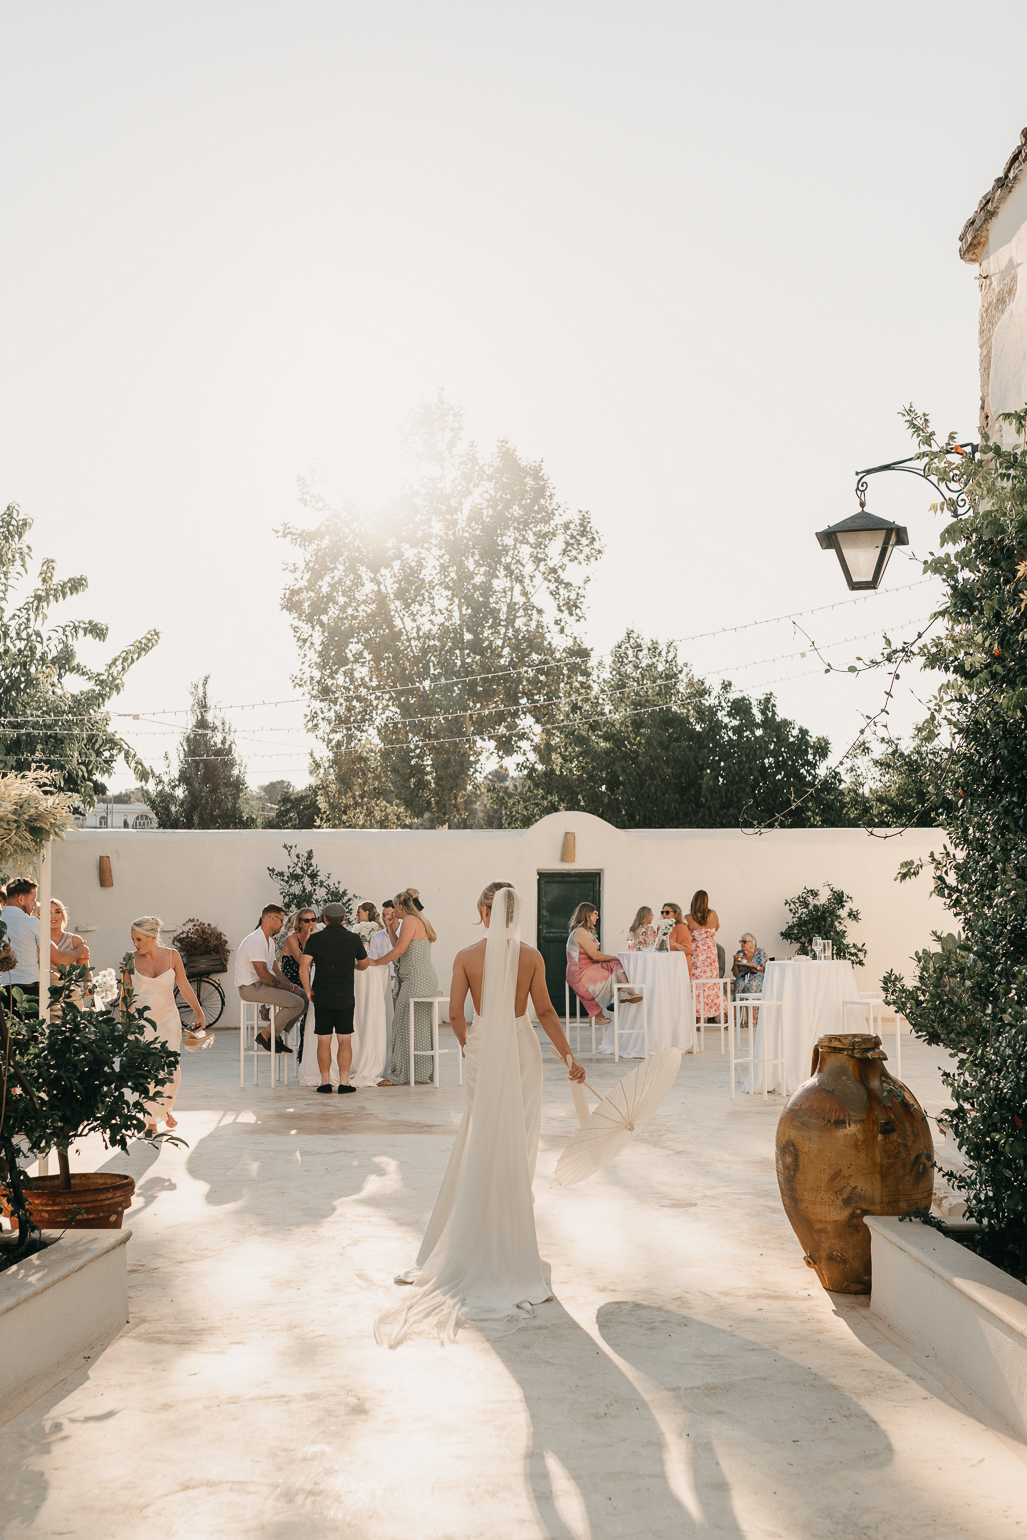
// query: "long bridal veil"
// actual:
[[479, 1262]]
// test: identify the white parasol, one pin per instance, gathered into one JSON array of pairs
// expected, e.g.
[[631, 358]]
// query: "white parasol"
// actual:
[[615, 1121]]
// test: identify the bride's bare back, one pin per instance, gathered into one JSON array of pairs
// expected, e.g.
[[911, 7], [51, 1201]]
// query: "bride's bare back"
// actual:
[[468, 972]]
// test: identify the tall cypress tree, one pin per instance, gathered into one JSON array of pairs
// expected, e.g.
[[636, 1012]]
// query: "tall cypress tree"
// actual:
[[208, 790]]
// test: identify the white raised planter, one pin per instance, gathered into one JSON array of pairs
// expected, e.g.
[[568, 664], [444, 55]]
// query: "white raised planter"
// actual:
[[57, 1305], [960, 1315]]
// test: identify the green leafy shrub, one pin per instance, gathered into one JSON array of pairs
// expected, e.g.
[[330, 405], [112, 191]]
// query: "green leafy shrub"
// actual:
[[828, 917], [971, 997], [302, 886]]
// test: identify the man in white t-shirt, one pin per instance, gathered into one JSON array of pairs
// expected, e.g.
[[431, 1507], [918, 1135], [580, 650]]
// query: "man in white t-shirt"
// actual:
[[259, 978], [23, 936]]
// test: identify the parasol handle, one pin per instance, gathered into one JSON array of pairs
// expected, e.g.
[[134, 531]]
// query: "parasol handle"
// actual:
[[569, 1061]]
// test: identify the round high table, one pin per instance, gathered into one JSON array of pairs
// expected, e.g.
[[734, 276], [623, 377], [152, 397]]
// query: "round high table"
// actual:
[[664, 975], [811, 995]]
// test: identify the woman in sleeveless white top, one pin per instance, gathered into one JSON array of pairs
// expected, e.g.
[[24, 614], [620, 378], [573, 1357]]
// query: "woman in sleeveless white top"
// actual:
[[157, 970], [479, 1263]]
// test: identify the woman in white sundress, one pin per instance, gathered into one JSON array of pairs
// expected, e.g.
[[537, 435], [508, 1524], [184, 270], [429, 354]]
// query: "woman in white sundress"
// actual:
[[156, 971], [479, 1264]]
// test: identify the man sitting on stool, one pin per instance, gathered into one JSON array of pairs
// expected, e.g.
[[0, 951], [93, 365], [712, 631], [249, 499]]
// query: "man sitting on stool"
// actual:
[[337, 953], [259, 979]]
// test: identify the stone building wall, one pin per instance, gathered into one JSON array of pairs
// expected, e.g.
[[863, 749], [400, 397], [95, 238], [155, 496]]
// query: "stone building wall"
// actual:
[[995, 238]]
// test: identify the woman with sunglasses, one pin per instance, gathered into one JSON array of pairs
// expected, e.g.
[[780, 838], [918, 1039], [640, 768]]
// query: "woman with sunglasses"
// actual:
[[299, 927]]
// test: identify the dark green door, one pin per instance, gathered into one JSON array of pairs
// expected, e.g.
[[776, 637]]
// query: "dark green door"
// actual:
[[559, 894]]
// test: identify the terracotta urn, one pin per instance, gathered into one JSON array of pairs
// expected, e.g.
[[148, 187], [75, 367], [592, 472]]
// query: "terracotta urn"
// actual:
[[97, 1201], [851, 1141]]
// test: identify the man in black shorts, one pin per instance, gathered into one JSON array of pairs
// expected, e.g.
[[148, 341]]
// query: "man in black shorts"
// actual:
[[337, 953]]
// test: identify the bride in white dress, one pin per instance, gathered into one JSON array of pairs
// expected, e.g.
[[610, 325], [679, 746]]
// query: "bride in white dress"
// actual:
[[479, 1263]]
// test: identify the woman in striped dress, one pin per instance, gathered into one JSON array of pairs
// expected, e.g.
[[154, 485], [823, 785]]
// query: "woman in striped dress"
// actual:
[[704, 923], [417, 981]]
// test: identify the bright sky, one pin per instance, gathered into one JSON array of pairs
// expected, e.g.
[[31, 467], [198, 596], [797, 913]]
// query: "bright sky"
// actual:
[[694, 257]]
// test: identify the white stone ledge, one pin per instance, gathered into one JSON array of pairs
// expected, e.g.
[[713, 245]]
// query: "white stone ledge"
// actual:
[[960, 1315], [55, 1306]]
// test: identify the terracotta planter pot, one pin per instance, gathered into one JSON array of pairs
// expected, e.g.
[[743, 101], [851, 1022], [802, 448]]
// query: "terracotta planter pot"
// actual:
[[97, 1201], [851, 1141]]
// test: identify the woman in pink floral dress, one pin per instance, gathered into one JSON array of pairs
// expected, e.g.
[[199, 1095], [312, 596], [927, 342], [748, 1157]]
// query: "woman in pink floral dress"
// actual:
[[704, 923]]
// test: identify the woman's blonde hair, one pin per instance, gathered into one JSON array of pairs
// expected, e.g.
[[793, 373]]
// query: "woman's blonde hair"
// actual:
[[408, 902], [676, 909], [643, 917], [488, 893], [578, 917], [147, 925], [55, 903], [700, 910], [292, 924]]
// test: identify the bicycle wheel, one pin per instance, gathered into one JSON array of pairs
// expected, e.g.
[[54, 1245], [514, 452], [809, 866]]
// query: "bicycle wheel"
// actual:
[[211, 997]]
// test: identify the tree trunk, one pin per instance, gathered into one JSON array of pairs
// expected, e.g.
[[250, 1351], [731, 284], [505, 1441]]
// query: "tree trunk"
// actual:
[[65, 1168]]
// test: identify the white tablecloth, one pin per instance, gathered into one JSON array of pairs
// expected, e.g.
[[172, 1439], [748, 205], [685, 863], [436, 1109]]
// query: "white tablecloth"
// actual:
[[669, 995], [811, 994]]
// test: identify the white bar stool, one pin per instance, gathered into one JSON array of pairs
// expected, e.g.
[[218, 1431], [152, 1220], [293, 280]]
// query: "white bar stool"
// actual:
[[435, 1052], [639, 989], [872, 1008], [723, 988], [249, 1024], [567, 992], [750, 1003]]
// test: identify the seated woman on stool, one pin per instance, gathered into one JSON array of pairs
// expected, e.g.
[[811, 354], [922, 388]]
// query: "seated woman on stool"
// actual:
[[643, 934], [749, 966], [592, 974]]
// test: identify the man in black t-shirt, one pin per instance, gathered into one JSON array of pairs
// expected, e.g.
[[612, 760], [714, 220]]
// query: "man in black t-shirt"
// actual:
[[337, 953]]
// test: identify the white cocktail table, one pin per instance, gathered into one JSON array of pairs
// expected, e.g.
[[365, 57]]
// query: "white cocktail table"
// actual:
[[664, 976], [811, 995]]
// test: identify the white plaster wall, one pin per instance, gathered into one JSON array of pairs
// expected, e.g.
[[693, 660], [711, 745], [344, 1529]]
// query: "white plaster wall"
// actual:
[[1006, 255], [222, 877]]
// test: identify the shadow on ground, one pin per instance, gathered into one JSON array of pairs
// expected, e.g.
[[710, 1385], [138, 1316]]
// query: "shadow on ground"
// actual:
[[604, 1452]]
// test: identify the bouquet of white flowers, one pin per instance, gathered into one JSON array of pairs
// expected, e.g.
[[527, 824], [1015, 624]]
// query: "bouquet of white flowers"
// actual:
[[666, 926], [365, 929], [105, 986]]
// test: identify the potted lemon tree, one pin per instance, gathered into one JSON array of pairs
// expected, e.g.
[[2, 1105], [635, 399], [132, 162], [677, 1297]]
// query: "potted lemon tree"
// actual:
[[77, 1072]]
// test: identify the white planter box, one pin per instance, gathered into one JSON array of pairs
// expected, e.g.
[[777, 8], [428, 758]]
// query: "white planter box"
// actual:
[[57, 1305], [962, 1317]]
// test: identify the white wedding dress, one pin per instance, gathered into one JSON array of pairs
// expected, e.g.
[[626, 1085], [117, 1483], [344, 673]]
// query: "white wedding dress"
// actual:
[[479, 1264]]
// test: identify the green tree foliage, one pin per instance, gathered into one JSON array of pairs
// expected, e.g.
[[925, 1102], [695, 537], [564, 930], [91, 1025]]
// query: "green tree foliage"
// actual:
[[971, 998], [415, 626], [302, 885], [827, 915], [648, 746], [897, 788], [208, 788], [296, 809], [44, 722]]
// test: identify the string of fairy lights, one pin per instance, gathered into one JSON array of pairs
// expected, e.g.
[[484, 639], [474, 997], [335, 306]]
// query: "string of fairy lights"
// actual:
[[617, 703]]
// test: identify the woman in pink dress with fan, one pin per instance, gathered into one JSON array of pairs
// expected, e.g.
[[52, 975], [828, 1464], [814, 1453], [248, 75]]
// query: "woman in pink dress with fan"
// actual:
[[704, 923]]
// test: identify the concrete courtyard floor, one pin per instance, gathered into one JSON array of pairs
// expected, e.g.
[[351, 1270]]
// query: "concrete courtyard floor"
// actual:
[[690, 1378]]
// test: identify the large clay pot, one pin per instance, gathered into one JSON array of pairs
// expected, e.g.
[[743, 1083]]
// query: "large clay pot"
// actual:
[[851, 1141], [97, 1201]]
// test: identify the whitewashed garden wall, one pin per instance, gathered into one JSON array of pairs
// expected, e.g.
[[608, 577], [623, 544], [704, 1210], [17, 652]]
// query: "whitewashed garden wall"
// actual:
[[222, 877]]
